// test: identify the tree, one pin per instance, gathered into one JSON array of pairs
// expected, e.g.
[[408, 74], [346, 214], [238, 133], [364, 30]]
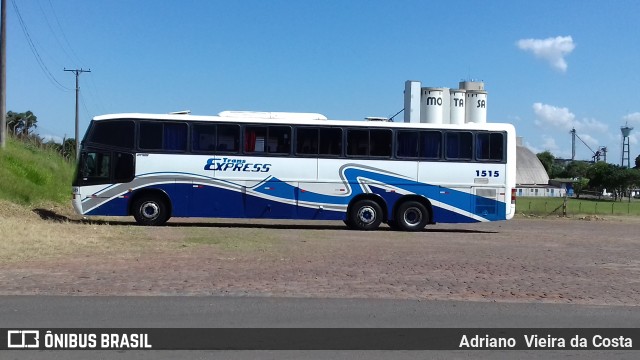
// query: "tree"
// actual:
[[548, 161], [21, 124], [546, 158], [616, 179], [576, 169], [637, 162], [601, 177], [579, 186]]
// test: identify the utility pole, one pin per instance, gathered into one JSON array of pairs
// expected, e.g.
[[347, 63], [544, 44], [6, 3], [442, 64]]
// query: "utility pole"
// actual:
[[77, 72], [3, 75]]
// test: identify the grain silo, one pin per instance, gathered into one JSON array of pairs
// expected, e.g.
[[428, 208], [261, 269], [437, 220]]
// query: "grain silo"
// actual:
[[476, 106], [456, 107], [431, 105]]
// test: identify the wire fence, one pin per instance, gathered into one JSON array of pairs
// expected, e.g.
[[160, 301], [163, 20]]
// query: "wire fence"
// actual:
[[556, 206]]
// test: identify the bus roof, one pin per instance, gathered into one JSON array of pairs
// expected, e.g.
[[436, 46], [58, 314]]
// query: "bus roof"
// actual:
[[304, 119]]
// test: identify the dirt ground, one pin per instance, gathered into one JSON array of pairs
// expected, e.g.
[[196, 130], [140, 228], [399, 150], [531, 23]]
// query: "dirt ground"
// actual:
[[585, 261]]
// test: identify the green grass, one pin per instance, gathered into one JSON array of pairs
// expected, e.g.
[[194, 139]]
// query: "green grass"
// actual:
[[30, 175], [549, 206]]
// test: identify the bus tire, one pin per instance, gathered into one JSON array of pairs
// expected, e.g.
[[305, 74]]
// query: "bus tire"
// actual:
[[412, 216], [150, 210], [365, 215], [348, 223]]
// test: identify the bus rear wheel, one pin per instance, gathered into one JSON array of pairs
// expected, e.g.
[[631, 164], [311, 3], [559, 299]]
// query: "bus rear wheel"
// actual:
[[365, 215], [411, 216], [150, 210]]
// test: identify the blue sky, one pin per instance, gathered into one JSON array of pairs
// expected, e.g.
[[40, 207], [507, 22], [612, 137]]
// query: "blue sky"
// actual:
[[548, 66]]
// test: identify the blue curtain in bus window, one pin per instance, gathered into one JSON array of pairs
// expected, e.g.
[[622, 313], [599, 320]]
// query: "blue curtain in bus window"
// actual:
[[459, 145], [407, 144], [430, 144], [175, 137], [482, 146], [453, 145]]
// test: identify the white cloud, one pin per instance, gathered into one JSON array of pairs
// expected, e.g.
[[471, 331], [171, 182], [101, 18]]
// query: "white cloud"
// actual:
[[548, 115], [589, 140], [549, 143], [563, 119], [551, 49], [633, 117]]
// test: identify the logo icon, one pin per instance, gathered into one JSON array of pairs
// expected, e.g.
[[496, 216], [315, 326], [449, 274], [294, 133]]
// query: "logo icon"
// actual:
[[23, 339]]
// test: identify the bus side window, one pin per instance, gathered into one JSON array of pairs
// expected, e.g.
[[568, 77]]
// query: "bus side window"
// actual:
[[380, 141], [307, 141], [228, 138], [203, 137], [254, 139], [123, 168], [357, 142], [279, 140], [431, 144], [407, 144], [330, 141], [175, 137], [489, 146], [459, 145]]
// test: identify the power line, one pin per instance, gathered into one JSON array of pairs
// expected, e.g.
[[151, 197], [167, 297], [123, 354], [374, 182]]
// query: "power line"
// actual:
[[84, 105], [64, 37], [53, 32], [35, 52]]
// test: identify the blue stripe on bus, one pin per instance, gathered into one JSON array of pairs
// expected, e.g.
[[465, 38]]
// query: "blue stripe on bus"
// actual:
[[274, 198]]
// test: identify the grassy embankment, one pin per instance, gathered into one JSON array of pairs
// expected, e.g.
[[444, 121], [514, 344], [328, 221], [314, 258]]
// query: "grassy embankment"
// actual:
[[33, 181], [30, 175], [577, 207], [36, 182]]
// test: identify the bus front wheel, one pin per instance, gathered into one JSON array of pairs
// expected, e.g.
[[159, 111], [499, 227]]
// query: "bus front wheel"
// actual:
[[150, 210], [365, 215], [411, 216]]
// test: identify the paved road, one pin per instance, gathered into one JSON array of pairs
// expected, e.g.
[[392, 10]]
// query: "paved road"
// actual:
[[63, 311]]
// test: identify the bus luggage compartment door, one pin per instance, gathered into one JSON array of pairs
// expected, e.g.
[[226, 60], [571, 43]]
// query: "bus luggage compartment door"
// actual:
[[272, 199], [486, 203]]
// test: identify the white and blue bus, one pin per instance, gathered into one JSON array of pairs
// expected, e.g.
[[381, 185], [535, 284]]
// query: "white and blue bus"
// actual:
[[295, 166]]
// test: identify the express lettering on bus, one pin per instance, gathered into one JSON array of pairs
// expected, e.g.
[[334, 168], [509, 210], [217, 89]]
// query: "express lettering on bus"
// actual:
[[228, 164]]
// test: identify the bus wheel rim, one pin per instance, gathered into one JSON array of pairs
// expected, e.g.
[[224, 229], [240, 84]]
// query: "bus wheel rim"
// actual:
[[367, 214], [413, 216], [150, 210]]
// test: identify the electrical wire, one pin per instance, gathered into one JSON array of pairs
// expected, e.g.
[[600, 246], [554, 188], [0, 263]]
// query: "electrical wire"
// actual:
[[52, 31], [64, 37], [35, 52]]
